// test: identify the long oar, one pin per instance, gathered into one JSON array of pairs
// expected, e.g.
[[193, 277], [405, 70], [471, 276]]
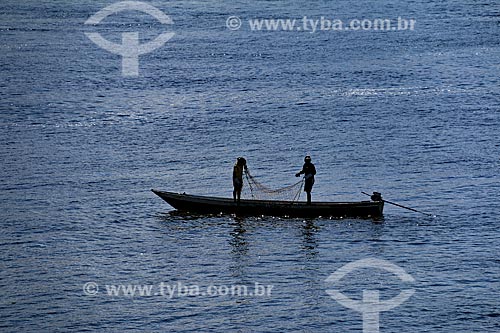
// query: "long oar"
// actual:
[[396, 204]]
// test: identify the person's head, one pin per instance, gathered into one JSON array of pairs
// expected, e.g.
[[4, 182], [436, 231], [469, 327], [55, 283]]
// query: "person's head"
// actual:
[[307, 159], [241, 161]]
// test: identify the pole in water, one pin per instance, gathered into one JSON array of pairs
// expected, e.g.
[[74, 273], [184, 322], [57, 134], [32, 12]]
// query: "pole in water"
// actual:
[[396, 204]]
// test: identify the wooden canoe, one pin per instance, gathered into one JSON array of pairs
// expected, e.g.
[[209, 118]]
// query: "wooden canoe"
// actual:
[[215, 205]]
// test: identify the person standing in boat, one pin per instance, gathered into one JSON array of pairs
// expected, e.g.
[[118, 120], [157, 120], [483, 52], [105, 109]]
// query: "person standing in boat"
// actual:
[[308, 170], [239, 166]]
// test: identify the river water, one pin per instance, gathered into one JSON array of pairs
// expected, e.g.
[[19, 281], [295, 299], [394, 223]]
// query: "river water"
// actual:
[[411, 114]]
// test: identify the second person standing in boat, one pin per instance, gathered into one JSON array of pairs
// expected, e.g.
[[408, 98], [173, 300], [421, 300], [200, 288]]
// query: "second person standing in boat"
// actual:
[[240, 164], [309, 171]]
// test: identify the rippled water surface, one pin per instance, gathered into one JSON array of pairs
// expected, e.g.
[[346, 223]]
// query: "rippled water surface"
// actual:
[[412, 114]]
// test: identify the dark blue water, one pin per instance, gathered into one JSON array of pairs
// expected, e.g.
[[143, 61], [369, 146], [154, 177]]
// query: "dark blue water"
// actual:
[[412, 114]]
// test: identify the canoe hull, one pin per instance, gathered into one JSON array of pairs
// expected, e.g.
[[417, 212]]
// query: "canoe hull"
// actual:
[[214, 205]]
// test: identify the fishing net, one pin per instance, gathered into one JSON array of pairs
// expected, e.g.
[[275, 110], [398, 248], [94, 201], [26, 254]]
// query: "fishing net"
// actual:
[[259, 191]]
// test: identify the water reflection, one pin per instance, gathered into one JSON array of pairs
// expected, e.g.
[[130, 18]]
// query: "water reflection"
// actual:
[[239, 247], [238, 239], [309, 241]]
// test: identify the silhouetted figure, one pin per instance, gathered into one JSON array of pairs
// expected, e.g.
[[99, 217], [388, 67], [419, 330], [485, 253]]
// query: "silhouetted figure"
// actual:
[[239, 166], [309, 171]]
